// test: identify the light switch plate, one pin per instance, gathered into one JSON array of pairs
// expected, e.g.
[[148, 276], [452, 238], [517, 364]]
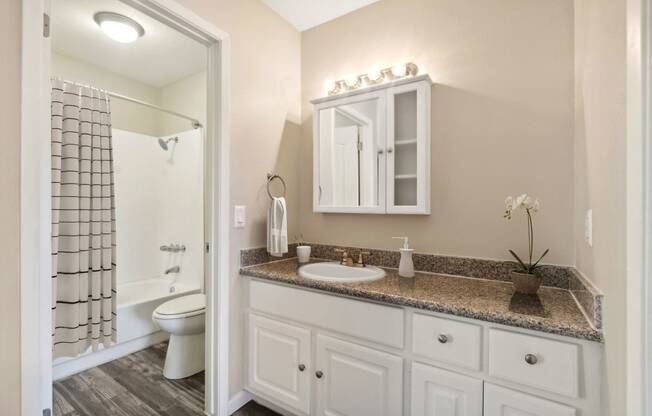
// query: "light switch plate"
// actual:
[[588, 227], [239, 216]]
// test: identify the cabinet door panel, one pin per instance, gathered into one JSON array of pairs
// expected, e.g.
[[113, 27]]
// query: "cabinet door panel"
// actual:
[[408, 149], [277, 352], [437, 392], [499, 401], [356, 380]]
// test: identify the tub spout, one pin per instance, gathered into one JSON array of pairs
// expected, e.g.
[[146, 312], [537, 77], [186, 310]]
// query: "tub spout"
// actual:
[[174, 269]]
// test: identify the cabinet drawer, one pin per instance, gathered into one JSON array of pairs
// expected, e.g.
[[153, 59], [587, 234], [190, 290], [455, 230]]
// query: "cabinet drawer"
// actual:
[[538, 362], [437, 392], [364, 320], [447, 341], [499, 401]]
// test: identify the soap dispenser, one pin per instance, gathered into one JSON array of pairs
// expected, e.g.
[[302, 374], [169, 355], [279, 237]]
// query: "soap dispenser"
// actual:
[[406, 266]]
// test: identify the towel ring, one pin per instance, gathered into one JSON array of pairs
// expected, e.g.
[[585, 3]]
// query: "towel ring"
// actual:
[[270, 178]]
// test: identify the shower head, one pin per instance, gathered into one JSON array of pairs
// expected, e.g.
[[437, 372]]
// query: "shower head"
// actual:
[[164, 143]]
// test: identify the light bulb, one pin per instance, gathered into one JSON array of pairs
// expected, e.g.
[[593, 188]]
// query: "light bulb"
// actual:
[[398, 70], [329, 84], [374, 75], [351, 80]]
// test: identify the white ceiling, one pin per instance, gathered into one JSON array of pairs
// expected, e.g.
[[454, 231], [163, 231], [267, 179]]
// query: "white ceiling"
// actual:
[[162, 56], [305, 14]]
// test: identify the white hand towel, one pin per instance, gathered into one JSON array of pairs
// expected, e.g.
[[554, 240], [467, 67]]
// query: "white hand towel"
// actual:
[[277, 228]]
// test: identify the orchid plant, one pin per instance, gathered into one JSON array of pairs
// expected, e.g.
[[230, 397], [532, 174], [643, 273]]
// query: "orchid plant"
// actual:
[[530, 205]]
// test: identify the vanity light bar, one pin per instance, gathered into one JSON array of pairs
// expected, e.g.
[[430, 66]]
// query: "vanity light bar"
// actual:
[[387, 74]]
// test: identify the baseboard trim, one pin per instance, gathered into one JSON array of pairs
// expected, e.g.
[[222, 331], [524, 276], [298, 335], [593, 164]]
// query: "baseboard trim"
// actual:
[[69, 366], [238, 400]]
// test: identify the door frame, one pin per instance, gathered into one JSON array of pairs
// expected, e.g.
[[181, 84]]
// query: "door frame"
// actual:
[[35, 229], [639, 208]]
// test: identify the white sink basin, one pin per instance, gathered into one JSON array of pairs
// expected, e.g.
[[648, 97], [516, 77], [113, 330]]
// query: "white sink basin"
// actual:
[[335, 272]]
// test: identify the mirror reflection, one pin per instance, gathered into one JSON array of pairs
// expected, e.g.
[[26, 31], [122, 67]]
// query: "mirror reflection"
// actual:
[[348, 155]]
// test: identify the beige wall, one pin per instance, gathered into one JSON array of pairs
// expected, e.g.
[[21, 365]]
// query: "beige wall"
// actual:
[[186, 96], [265, 108], [10, 17], [502, 119], [124, 115], [600, 151]]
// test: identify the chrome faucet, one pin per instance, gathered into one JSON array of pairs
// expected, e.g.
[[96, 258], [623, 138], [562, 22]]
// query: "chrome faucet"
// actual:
[[174, 269], [347, 260]]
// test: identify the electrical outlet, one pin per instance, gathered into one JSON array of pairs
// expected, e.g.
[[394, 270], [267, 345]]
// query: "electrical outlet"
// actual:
[[239, 216], [588, 227]]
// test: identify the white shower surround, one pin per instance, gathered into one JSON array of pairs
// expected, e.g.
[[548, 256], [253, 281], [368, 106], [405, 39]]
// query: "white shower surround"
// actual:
[[159, 200]]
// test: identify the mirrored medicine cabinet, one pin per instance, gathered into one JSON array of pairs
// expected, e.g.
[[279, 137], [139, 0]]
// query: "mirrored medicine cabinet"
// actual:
[[371, 149]]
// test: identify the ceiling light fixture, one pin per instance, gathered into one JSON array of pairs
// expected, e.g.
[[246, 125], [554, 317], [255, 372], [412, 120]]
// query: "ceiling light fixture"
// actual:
[[373, 77], [118, 27]]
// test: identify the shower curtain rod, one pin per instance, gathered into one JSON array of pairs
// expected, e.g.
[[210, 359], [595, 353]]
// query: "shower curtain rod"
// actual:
[[195, 123]]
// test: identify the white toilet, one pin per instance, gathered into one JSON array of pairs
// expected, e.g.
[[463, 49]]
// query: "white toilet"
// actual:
[[184, 318]]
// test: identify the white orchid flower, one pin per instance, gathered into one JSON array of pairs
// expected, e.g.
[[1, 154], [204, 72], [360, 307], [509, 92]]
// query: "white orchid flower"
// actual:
[[536, 205], [522, 201], [530, 205], [509, 203], [519, 201]]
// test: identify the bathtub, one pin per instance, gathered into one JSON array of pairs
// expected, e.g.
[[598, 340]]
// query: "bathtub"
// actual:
[[137, 301], [135, 328]]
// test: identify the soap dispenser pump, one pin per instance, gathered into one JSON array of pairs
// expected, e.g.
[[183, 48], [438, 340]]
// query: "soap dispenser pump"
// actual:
[[406, 266]]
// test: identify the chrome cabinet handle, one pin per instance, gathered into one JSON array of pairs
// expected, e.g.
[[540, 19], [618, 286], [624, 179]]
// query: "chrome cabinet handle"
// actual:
[[302, 367], [390, 150], [442, 339], [531, 359], [319, 374], [380, 151]]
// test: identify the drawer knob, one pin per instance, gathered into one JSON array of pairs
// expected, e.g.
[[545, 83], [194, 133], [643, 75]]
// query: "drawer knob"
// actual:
[[319, 374], [531, 359], [442, 338], [302, 367]]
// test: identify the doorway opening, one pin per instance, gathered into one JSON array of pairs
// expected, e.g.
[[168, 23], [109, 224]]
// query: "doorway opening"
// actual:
[[132, 194]]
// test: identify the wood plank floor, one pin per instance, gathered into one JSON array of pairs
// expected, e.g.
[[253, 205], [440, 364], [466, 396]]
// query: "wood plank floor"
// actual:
[[134, 386]]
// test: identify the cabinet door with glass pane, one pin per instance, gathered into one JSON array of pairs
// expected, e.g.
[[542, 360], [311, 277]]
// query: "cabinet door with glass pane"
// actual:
[[408, 148]]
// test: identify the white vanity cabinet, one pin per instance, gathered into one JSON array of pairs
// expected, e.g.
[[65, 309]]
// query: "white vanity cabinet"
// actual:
[[371, 149], [312, 353], [353, 380], [280, 362]]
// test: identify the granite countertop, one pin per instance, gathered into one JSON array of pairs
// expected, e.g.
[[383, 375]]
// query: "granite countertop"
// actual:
[[552, 310]]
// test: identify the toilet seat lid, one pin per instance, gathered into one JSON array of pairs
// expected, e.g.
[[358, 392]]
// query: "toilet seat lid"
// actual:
[[183, 305]]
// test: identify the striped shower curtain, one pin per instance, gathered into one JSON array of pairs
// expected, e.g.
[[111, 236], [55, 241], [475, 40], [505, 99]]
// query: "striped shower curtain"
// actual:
[[83, 220]]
